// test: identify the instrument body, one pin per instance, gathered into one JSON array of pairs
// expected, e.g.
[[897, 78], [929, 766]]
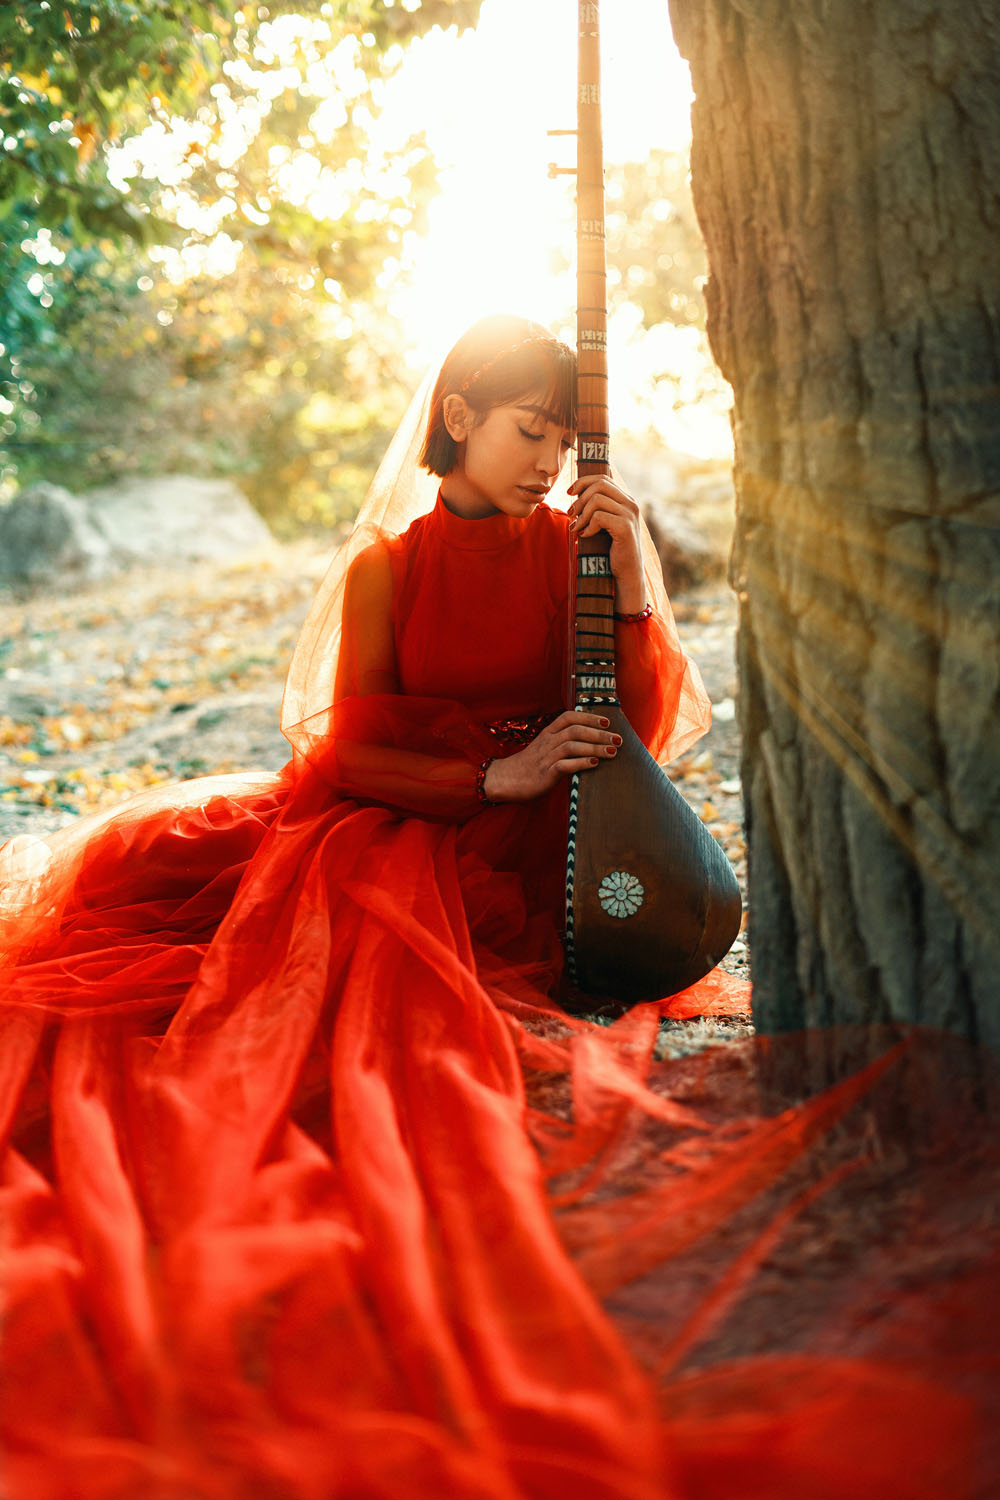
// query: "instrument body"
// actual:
[[652, 902]]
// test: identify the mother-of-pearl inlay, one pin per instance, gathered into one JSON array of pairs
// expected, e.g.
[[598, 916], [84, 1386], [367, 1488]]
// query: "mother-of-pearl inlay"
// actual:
[[621, 894]]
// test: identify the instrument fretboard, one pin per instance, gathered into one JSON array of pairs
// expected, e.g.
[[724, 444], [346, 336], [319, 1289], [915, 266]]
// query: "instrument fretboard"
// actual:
[[594, 633]]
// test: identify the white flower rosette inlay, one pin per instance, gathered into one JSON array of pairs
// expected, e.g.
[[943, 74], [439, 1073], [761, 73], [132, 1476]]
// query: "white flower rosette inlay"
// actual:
[[621, 894]]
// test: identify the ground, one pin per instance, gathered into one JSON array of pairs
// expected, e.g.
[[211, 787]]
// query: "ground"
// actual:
[[167, 674]]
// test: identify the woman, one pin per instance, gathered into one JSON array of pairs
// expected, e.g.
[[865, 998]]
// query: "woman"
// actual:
[[306, 1181]]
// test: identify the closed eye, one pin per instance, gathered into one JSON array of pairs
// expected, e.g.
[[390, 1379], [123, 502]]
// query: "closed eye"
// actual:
[[536, 437]]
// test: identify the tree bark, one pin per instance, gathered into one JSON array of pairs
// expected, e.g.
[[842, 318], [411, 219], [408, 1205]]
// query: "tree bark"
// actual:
[[846, 173]]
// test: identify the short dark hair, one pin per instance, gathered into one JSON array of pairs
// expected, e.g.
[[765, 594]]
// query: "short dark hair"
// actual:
[[495, 361]]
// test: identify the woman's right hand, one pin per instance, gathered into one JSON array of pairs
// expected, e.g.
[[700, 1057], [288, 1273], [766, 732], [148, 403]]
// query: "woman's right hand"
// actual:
[[573, 742]]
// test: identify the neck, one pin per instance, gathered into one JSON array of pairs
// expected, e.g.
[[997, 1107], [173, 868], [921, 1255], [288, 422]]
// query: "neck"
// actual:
[[464, 500]]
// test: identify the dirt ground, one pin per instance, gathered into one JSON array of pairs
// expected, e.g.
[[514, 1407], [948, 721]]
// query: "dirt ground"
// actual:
[[168, 674]]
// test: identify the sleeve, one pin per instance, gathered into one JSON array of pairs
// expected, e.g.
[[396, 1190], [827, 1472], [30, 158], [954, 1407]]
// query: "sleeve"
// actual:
[[415, 755], [660, 688]]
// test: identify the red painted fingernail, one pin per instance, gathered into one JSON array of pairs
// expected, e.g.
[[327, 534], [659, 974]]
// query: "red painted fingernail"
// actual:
[[604, 723], [593, 760], [612, 750], [617, 738]]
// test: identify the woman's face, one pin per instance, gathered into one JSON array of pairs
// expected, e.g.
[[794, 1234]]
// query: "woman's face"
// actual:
[[508, 460]]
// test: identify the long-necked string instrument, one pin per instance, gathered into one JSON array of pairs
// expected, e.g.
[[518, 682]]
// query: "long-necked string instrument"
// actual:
[[652, 902]]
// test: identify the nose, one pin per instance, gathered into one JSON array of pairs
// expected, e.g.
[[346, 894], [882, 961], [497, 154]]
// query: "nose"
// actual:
[[550, 456]]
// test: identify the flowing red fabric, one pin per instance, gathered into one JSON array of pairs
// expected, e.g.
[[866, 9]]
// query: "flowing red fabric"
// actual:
[[309, 1187]]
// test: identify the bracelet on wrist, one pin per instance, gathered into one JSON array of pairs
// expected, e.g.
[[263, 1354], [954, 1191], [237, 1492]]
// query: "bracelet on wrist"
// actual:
[[636, 619], [481, 796]]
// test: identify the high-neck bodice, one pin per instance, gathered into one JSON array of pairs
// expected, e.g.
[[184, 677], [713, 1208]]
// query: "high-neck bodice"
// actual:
[[480, 610]]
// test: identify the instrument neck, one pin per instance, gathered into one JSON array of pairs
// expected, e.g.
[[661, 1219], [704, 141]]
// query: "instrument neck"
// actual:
[[591, 273], [593, 643]]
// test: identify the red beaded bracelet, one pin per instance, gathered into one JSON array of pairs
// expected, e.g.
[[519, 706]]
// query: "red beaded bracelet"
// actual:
[[481, 783], [636, 619]]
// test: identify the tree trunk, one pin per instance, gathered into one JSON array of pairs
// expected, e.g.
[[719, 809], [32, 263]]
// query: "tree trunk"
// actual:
[[846, 172]]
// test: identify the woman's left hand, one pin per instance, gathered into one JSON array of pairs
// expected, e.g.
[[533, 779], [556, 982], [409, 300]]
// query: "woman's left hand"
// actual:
[[601, 506]]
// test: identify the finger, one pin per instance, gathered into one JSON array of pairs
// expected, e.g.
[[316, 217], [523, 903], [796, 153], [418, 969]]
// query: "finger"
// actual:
[[586, 729], [576, 763], [577, 716], [583, 735], [586, 502], [592, 495], [613, 500], [587, 748], [616, 524]]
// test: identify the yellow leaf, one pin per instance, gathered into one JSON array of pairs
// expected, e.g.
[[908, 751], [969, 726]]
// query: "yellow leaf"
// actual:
[[71, 733], [709, 811], [28, 756], [88, 141]]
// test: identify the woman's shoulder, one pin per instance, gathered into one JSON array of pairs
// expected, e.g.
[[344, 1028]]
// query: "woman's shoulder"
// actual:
[[370, 572]]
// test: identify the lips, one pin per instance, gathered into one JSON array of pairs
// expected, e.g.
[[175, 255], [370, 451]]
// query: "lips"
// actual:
[[540, 490]]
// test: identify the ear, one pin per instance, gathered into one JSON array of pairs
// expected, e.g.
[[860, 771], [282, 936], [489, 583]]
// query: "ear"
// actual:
[[458, 417]]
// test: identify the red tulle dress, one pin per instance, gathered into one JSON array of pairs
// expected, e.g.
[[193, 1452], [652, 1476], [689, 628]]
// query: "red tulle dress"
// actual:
[[310, 1190]]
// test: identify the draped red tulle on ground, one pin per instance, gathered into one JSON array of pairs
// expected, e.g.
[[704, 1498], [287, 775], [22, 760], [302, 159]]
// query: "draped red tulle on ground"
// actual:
[[311, 1189]]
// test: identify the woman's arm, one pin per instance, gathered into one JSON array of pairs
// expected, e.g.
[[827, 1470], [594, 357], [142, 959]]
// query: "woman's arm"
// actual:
[[422, 755], [415, 754]]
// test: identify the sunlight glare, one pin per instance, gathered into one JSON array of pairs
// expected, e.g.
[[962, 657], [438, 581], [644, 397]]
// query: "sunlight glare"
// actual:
[[501, 232], [486, 99]]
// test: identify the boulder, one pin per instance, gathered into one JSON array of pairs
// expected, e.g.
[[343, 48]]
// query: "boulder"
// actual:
[[687, 506], [687, 553], [48, 540], [51, 539], [176, 518]]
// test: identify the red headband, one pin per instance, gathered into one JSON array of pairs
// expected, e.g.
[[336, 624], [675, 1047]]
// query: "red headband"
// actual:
[[511, 349]]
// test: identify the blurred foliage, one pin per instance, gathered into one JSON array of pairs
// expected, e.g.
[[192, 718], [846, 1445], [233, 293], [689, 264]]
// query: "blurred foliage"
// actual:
[[77, 73], [657, 269], [127, 346], [239, 376], [655, 251], [226, 314]]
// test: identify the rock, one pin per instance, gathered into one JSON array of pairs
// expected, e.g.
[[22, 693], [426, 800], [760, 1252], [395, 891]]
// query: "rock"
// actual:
[[686, 552], [48, 539], [51, 539], [23, 705], [175, 518], [688, 506]]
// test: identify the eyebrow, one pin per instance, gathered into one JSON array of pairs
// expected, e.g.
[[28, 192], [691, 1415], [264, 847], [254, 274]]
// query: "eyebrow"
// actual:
[[543, 411]]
